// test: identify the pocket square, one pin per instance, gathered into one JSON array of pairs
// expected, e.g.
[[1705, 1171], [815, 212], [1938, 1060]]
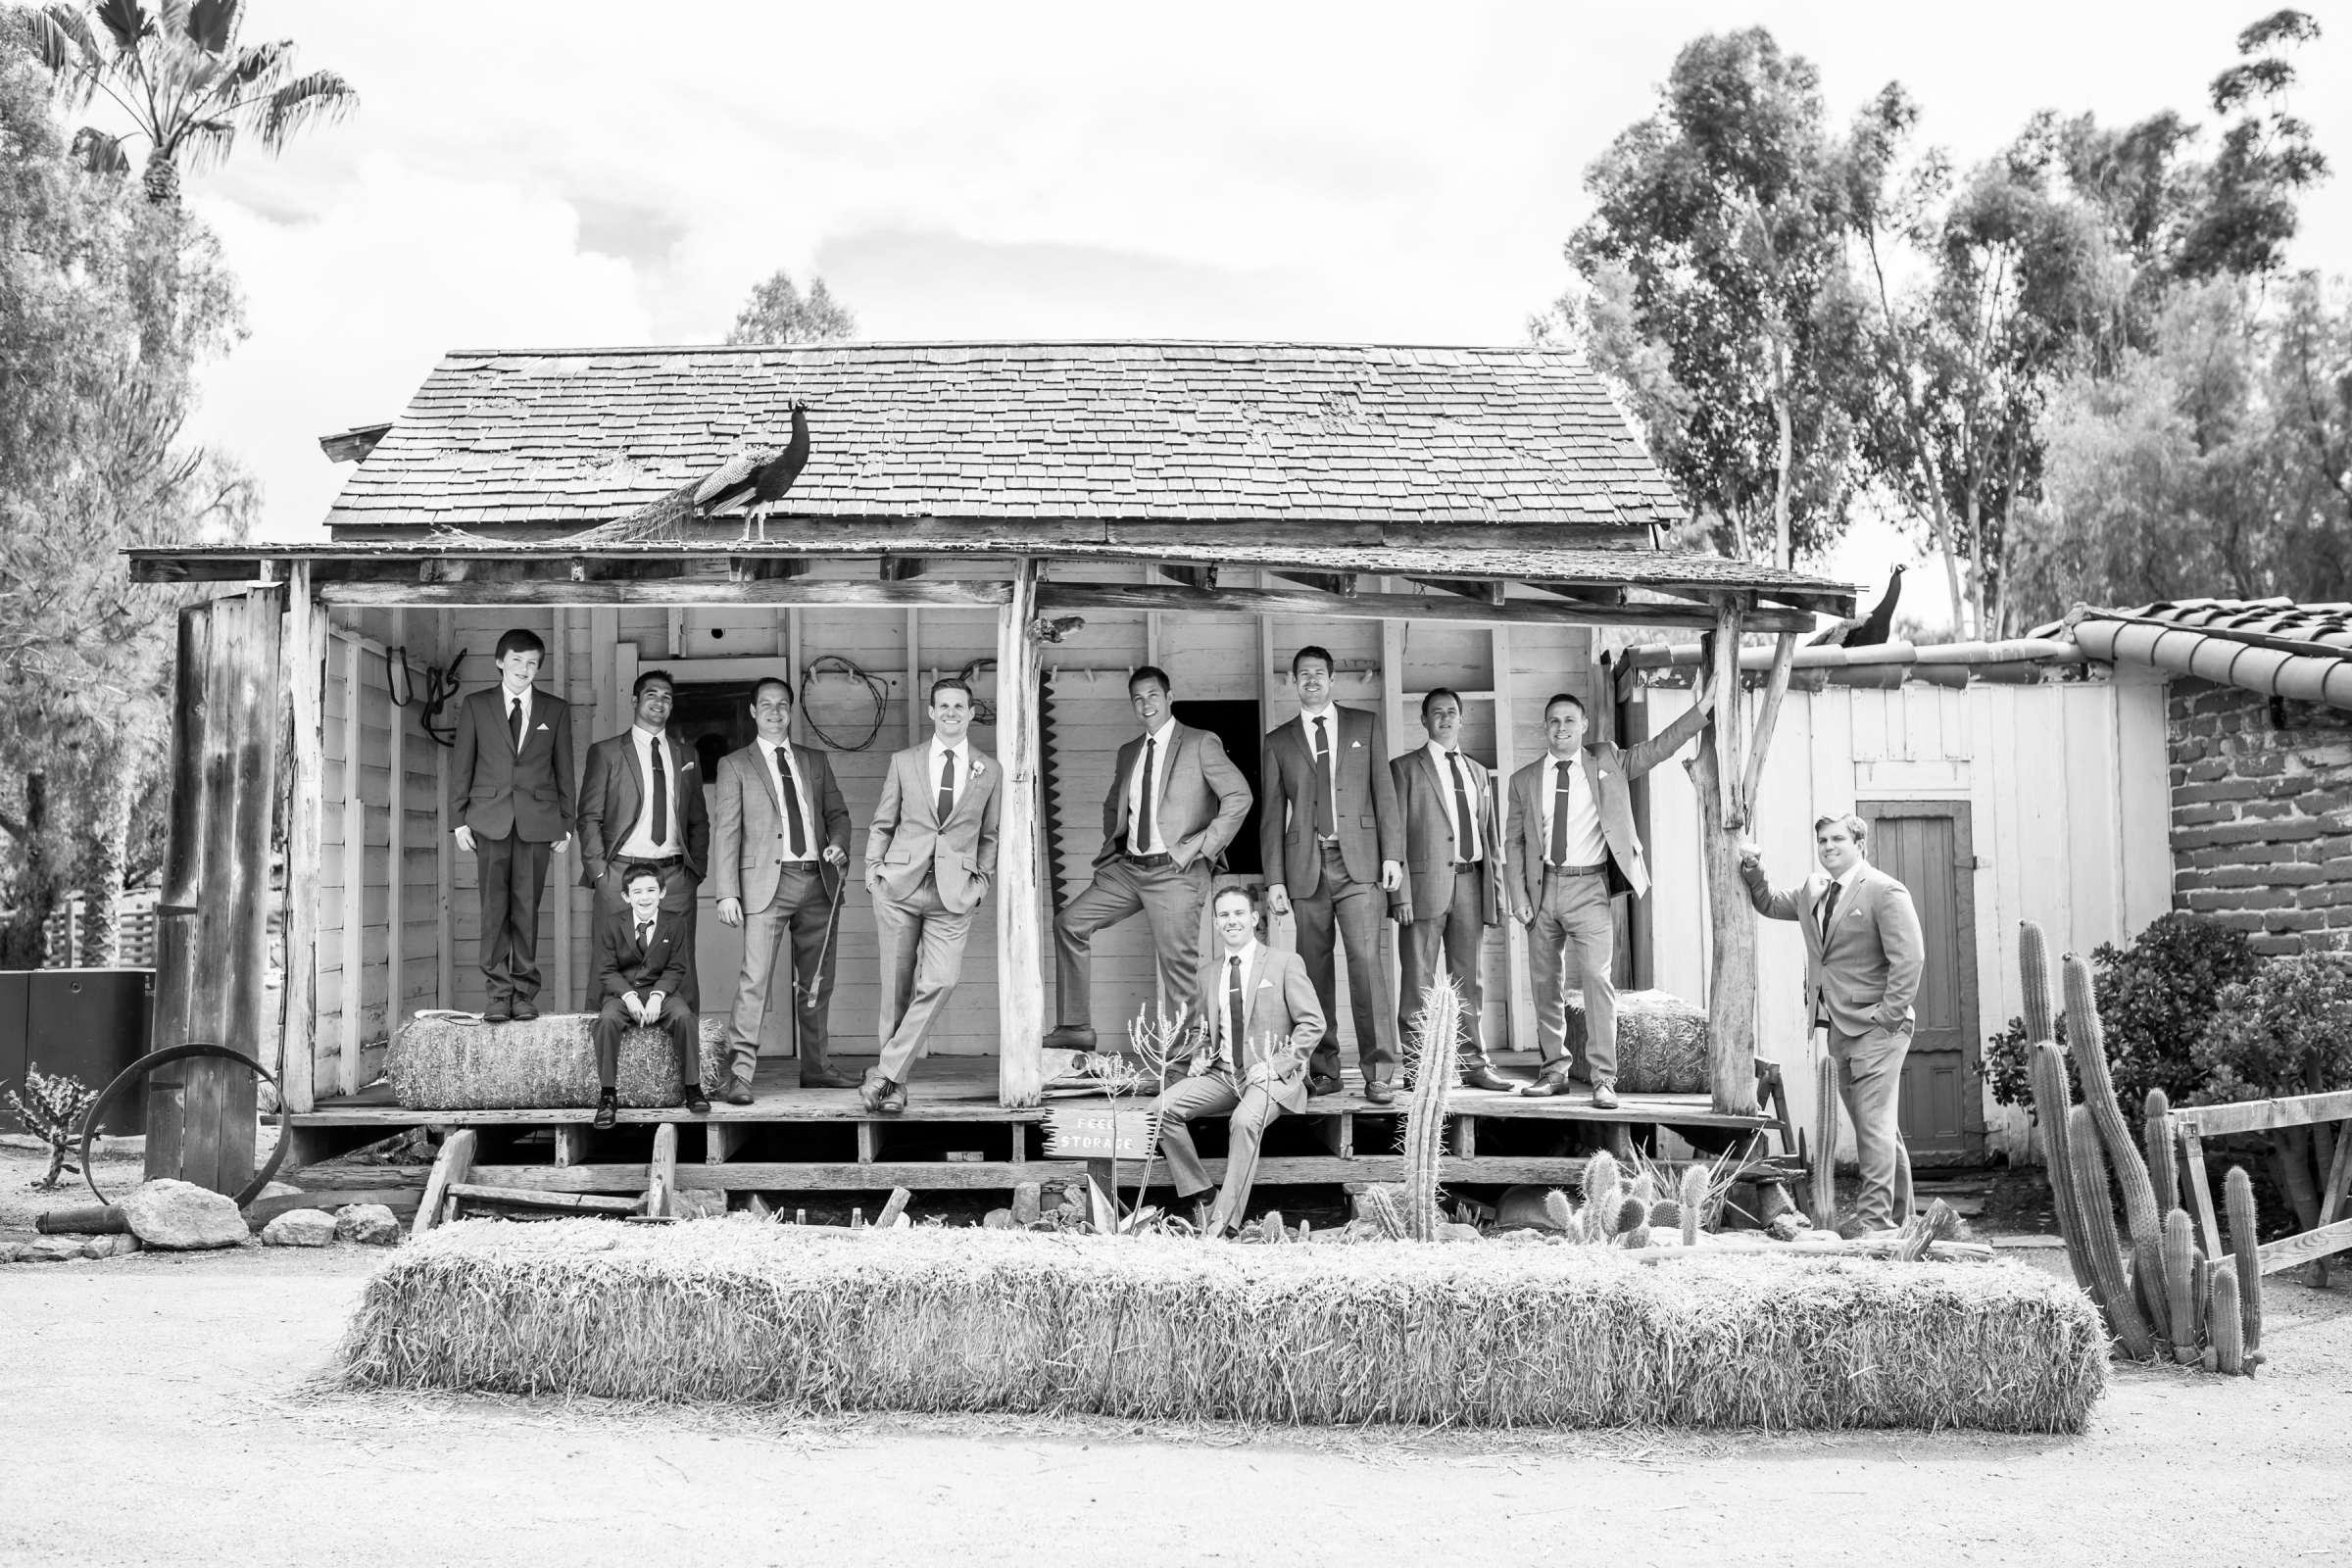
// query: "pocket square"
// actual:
[[1265, 985], [541, 725]]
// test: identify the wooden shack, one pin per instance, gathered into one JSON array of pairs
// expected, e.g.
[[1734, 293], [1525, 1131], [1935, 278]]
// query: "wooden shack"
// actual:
[[1045, 517]]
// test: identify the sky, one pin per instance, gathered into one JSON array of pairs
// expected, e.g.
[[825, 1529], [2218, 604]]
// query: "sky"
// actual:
[[1268, 170]]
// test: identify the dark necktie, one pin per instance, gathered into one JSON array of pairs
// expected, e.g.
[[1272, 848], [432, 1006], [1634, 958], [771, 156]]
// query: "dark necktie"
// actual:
[[793, 836], [514, 721], [1559, 812], [1144, 808], [1829, 912], [1323, 823], [1233, 1010], [1465, 846], [645, 935], [947, 785], [661, 797]]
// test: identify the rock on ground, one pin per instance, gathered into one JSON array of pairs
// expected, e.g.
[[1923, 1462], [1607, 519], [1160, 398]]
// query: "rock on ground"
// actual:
[[300, 1227], [182, 1216], [368, 1224]]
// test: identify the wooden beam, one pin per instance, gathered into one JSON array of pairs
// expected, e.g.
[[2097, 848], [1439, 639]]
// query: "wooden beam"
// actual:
[[903, 568], [1341, 583], [2263, 1115], [766, 569], [813, 592], [1060, 595], [305, 674], [354, 871], [1776, 687], [1020, 945], [454, 1163], [1202, 578], [445, 849], [1725, 718], [395, 838], [1583, 593], [1484, 590]]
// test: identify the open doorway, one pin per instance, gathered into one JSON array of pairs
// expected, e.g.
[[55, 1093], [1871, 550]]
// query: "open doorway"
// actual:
[[1240, 728]]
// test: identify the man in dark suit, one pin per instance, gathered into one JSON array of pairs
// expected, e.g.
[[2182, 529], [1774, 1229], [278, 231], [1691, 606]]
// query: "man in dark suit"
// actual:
[[1573, 850], [781, 848], [1255, 1020], [1176, 799], [1332, 843], [1453, 884], [510, 793], [641, 804], [640, 974], [1864, 953]]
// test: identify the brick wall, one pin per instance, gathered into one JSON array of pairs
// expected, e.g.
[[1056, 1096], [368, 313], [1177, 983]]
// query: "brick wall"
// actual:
[[2262, 814]]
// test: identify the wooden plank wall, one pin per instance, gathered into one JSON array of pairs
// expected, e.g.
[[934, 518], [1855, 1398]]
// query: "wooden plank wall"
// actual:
[[2066, 786]]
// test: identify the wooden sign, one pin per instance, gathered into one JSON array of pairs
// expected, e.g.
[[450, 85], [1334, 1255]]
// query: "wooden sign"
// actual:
[[1100, 1131]]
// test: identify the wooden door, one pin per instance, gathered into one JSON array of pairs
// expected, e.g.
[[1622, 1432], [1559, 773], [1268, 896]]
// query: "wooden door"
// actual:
[[1927, 846]]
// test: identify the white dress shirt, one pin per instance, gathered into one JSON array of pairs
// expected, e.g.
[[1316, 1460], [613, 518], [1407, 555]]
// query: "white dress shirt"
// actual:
[[1466, 845], [1587, 845], [1331, 731], [641, 844], [1165, 737], [1229, 1049], [811, 844], [955, 755]]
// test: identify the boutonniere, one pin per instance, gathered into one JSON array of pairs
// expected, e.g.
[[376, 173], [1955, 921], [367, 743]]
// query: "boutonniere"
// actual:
[[978, 767]]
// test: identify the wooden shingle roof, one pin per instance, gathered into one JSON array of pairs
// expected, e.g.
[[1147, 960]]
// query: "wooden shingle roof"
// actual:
[[996, 433]]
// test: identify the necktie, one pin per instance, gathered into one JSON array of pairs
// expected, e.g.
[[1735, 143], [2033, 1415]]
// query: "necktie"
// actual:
[[661, 797], [793, 836], [1829, 912], [1559, 812], [1145, 832], [514, 721], [1323, 823], [1233, 1010], [645, 935], [1466, 840], [947, 785]]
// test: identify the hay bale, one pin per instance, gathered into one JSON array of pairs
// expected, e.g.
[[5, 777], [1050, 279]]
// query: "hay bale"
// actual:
[[1661, 1042], [1162, 1328], [453, 1061]]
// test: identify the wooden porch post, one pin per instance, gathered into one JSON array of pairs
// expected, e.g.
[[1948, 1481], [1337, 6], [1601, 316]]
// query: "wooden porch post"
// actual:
[[1731, 976], [306, 648], [1020, 948]]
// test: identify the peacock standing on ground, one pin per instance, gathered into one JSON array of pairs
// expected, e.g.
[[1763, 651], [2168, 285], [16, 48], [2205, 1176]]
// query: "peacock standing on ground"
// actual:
[[757, 478]]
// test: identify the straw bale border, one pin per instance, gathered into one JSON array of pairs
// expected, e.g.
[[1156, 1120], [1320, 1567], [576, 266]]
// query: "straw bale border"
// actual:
[[454, 1062], [932, 1319]]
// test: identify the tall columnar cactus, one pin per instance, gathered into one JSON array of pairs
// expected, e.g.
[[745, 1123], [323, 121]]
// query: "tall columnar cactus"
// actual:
[[2094, 1205], [1695, 1202], [1559, 1212], [2200, 1287], [2180, 1283], [2046, 1071], [2163, 1166], [2087, 1039], [1824, 1144], [2225, 1314], [2245, 1253], [1425, 1113], [2033, 968]]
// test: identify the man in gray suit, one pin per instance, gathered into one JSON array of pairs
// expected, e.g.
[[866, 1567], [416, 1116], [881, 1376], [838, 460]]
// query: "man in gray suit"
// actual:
[[781, 849], [1864, 952], [641, 805], [930, 855], [1332, 843], [1255, 1020], [1176, 799], [1573, 850], [1454, 885]]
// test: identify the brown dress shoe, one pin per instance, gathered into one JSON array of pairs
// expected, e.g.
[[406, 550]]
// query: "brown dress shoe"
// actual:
[[498, 1012], [1604, 1094], [869, 1091], [1069, 1037], [739, 1090], [1482, 1075], [1380, 1091], [818, 1073], [525, 1009], [607, 1111], [894, 1097], [1552, 1080]]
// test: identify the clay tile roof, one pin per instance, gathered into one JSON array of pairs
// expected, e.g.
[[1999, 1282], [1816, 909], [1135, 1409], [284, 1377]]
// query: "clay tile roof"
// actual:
[[2273, 646]]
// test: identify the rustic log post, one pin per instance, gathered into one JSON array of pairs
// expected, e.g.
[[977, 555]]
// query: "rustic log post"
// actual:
[[1725, 723], [1731, 976], [1776, 691], [212, 943], [305, 677], [1020, 948]]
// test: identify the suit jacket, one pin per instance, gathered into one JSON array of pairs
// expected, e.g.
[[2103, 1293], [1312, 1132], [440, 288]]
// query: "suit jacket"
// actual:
[[1369, 827], [1202, 797], [747, 818], [1423, 795], [622, 967], [1609, 771], [612, 793], [906, 838], [497, 791], [1281, 1023], [1864, 970]]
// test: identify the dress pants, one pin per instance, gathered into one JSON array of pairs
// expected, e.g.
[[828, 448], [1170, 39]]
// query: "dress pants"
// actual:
[[513, 873], [1457, 935], [678, 887], [922, 958], [613, 1021], [1342, 907], [1870, 1081], [1213, 1093], [802, 907], [1170, 901], [1576, 922]]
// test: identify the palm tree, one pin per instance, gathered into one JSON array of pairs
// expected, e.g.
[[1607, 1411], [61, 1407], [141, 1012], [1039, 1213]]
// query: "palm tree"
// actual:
[[187, 86]]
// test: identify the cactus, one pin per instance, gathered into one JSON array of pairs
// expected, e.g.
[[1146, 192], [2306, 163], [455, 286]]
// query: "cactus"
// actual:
[[1639, 1236], [2237, 1197], [1825, 1145], [1425, 1113], [1381, 1207], [1693, 1195], [1270, 1228], [2200, 1292], [2087, 1038], [1603, 1193], [1644, 1190], [2033, 967], [1600, 1174], [2156, 1127], [1560, 1213], [1631, 1215], [2179, 1280], [2046, 1071], [1666, 1215], [2224, 1315], [2094, 1204]]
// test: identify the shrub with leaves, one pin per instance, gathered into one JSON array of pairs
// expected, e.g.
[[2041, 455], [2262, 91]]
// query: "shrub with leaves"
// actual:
[[51, 1107], [2286, 1030]]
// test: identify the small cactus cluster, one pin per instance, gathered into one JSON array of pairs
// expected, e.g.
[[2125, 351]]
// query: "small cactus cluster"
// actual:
[[1620, 1212], [2170, 1299]]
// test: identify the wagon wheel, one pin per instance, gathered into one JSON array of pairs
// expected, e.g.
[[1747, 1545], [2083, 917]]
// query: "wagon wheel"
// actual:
[[147, 1064]]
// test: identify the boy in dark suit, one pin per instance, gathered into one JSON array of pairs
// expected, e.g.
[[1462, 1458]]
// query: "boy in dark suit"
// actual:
[[640, 969], [510, 794]]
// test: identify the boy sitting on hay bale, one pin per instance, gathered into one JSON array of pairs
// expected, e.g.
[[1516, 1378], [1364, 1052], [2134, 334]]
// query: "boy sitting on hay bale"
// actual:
[[641, 953]]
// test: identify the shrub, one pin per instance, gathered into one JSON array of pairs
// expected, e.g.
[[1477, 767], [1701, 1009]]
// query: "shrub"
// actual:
[[2285, 1030]]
